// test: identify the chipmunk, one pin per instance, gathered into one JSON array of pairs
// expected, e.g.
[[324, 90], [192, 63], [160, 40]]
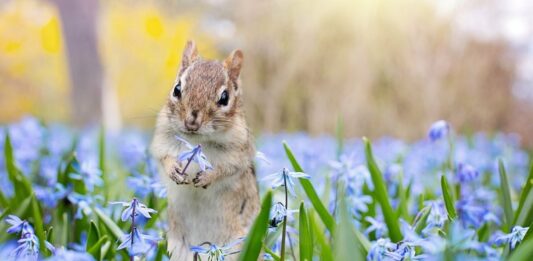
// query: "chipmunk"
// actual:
[[205, 107]]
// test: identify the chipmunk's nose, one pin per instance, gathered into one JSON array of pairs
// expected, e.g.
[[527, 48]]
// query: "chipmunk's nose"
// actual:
[[192, 122]]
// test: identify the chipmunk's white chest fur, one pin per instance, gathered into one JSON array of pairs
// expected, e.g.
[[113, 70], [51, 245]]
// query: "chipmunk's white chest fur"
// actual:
[[200, 210]]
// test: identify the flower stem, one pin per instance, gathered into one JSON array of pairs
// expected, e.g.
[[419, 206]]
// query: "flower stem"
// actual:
[[189, 161], [132, 228], [284, 231]]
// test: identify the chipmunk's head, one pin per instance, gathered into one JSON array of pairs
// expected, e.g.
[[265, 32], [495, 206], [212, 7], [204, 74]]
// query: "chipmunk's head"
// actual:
[[205, 98]]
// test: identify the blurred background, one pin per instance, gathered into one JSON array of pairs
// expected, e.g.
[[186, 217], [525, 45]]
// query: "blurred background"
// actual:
[[382, 67]]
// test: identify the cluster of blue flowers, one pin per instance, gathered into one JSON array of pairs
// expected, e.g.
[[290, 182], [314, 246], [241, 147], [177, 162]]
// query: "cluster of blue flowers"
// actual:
[[73, 178]]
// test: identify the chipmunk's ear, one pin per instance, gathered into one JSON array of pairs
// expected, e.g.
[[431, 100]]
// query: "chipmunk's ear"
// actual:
[[233, 64], [190, 55]]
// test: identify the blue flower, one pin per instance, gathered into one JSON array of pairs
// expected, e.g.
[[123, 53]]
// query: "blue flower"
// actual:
[[382, 249], [513, 238], [83, 203], [89, 174], [215, 252], [62, 254], [466, 173], [277, 214], [438, 130], [137, 242], [133, 208], [437, 215], [279, 178], [50, 196], [474, 214], [194, 154], [375, 226], [359, 203], [28, 247], [18, 225], [28, 244]]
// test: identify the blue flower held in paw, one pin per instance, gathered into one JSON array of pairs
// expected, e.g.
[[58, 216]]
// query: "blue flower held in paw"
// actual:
[[194, 154]]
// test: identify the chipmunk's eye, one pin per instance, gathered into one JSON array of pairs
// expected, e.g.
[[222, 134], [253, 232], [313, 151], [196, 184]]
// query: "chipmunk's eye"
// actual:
[[224, 99], [177, 90]]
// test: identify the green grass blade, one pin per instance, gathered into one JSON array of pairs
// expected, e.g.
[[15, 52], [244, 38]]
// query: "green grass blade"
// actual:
[[525, 215], [20, 183], [4, 214], [92, 237], [524, 194], [522, 252], [115, 230], [420, 220], [448, 199], [161, 249], [271, 253], [38, 223], [306, 238], [381, 194], [365, 244], [529, 233], [325, 249], [505, 196], [346, 244], [96, 248], [102, 161], [310, 191], [254, 240], [4, 203]]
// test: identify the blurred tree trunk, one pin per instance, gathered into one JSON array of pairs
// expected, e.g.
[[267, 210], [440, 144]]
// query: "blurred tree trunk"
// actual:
[[79, 24]]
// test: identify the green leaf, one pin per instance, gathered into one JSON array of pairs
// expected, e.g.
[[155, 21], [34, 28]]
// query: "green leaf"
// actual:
[[522, 252], [102, 161], [421, 219], [96, 249], [325, 249], [4, 203], [311, 193], [254, 240], [448, 200], [38, 223], [63, 233], [92, 237], [505, 196], [346, 244], [524, 195], [365, 244], [21, 184], [483, 233], [4, 214], [403, 198], [306, 237], [526, 215], [50, 234], [529, 233], [380, 192], [271, 253], [161, 250], [115, 230]]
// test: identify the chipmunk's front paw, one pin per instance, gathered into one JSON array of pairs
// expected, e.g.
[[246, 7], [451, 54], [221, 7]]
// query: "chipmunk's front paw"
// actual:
[[178, 177], [203, 179]]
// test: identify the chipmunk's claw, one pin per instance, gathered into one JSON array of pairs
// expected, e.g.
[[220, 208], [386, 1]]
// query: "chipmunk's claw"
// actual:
[[178, 177], [202, 179]]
